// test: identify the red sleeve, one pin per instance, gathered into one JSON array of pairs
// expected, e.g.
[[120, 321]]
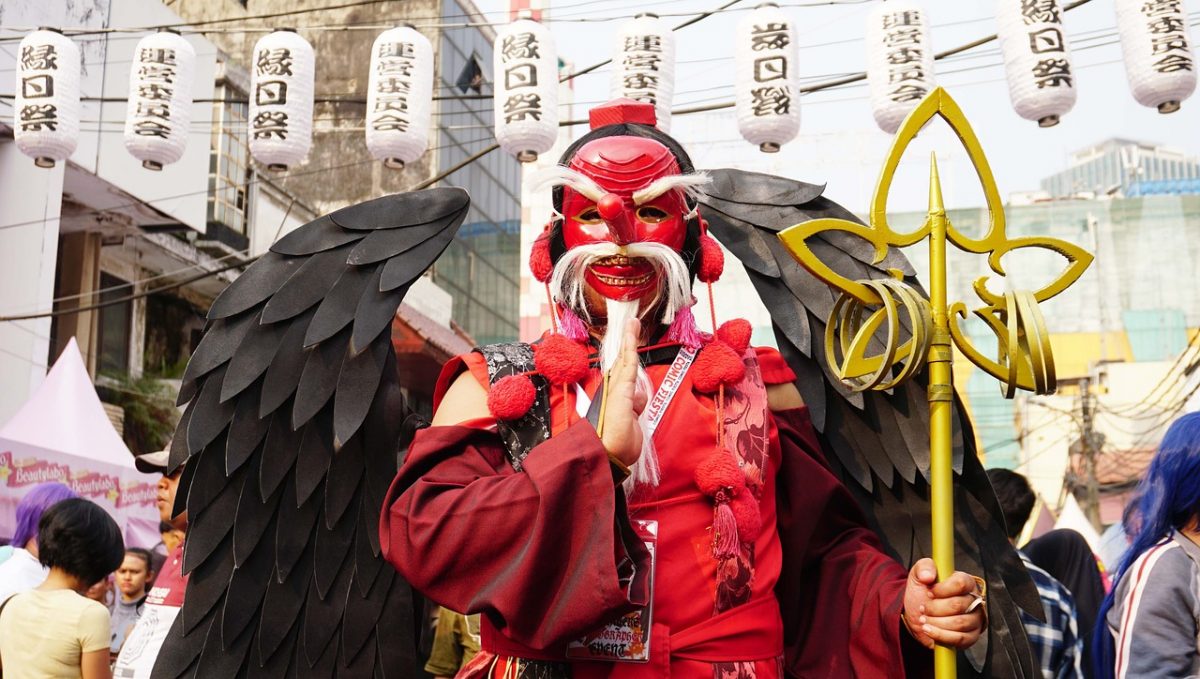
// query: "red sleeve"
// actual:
[[774, 369], [834, 564], [538, 550]]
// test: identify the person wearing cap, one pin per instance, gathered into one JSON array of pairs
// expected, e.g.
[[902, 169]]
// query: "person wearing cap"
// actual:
[[165, 598]]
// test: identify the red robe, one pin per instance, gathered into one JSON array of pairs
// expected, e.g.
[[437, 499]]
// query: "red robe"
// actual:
[[536, 551]]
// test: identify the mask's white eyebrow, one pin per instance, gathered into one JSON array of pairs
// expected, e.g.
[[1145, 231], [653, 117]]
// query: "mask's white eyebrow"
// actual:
[[557, 175], [690, 183]]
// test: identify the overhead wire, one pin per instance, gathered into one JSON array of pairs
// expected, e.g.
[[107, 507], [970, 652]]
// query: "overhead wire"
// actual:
[[493, 147]]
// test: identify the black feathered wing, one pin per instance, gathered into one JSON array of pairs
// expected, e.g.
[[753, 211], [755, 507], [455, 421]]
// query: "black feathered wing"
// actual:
[[294, 428], [878, 442]]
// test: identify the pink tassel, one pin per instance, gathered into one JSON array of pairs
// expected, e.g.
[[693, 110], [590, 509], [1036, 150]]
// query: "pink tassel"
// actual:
[[683, 329], [725, 535], [572, 325]]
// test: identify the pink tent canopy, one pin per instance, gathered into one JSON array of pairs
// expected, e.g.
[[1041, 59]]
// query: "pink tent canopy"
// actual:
[[63, 434]]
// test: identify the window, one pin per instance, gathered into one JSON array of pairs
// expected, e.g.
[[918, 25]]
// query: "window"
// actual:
[[229, 163], [114, 325]]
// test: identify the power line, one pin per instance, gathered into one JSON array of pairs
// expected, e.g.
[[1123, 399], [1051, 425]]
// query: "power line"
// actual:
[[436, 22], [484, 152]]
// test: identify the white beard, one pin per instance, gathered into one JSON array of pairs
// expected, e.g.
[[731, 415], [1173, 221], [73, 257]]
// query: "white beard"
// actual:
[[674, 293]]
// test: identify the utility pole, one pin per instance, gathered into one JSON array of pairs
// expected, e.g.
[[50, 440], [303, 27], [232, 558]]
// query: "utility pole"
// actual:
[[1087, 441]]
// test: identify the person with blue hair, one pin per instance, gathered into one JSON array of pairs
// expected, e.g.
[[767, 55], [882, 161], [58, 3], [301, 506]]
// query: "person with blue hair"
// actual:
[[21, 570], [1150, 621]]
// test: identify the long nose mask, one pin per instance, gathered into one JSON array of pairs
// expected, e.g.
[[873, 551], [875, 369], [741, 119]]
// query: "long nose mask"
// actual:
[[615, 213]]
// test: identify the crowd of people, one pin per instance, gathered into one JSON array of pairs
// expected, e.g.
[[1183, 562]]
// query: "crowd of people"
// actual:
[[1138, 615], [75, 601]]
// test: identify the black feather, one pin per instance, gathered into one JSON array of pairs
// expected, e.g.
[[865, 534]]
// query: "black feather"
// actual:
[[220, 341], [318, 380], [356, 387], [314, 457], [373, 317], [294, 532], [246, 431], [398, 272], [387, 243], [255, 518], [284, 372], [279, 453], [316, 236], [307, 285], [345, 475], [367, 607], [259, 282], [336, 311], [252, 358], [277, 511], [402, 210]]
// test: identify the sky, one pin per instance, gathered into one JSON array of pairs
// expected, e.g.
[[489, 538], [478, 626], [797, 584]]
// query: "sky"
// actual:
[[839, 143]]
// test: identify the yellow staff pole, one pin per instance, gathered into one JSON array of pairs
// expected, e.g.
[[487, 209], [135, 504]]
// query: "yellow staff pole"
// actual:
[[941, 408]]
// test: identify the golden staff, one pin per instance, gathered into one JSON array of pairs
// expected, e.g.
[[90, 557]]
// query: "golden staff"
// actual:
[[868, 307]]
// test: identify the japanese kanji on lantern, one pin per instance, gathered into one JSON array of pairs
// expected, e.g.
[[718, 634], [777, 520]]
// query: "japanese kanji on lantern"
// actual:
[[899, 61], [525, 70], [399, 96], [767, 91], [1158, 58], [644, 65], [281, 99], [1037, 61], [46, 104], [159, 113]]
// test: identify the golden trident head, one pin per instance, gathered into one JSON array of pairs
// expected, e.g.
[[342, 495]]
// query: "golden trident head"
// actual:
[[913, 327]]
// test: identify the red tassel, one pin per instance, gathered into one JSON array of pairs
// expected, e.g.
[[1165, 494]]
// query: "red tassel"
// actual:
[[736, 333], [748, 516], [725, 531], [716, 364], [539, 259], [561, 360], [718, 473], [712, 260], [511, 397]]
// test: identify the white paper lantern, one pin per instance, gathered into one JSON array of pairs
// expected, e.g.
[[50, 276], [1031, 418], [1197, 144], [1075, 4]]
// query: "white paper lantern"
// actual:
[[1158, 57], [643, 65], [525, 70], [281, 99], [767, 90], [899, 61], [159, 114], [399, 96], [46, 105], [1037, 60]]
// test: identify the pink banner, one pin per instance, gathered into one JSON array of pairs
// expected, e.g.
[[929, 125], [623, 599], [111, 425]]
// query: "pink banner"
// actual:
[[127, 494]]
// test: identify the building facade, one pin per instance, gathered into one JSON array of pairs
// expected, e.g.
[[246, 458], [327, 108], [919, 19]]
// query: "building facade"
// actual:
[[1120, 166], [103, 250], [481, 267]]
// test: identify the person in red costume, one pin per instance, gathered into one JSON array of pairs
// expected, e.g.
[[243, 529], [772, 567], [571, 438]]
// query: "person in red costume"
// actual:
[[633, 498]]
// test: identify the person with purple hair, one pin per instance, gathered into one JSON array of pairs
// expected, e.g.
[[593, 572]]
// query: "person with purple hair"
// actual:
[[1150, 621], [22, 571]]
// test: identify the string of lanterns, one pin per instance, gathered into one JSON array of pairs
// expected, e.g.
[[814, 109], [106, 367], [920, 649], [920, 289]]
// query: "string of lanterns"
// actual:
[[1159, 63]]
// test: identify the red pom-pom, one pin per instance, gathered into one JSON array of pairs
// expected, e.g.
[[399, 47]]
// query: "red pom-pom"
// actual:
[[736, 334], [719, 472], [747, 515], [561, 360], [539, 259], [712, 260], [511, 397], [717, 364]]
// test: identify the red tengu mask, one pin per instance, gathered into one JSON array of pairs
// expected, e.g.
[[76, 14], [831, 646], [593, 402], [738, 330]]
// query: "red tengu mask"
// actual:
[[625, 168]]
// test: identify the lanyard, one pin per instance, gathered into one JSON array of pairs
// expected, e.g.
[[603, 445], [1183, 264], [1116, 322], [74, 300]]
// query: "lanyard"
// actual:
[[656, 407]]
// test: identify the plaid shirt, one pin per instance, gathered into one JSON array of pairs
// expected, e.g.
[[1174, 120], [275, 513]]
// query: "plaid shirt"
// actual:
[[1056, 642]]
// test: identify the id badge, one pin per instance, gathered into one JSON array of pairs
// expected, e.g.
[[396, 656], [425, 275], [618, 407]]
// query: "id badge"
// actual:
[[626, 639]]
